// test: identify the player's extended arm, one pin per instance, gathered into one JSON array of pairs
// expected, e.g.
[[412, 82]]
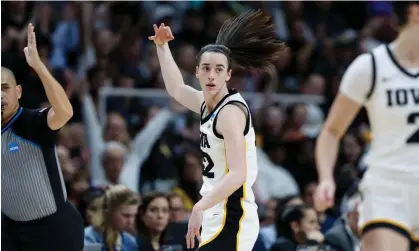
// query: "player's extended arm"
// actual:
[[353, 92], [184, 94], [340, 117], [61, 110], [231, 124]]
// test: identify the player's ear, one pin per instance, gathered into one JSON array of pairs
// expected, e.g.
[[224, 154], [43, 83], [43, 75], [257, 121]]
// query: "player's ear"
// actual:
[[196, 72], [19, 91], [228, 75]]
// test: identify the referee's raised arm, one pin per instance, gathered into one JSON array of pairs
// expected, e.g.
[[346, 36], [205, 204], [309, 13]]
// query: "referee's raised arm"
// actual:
[[35, 212], [61, 111]]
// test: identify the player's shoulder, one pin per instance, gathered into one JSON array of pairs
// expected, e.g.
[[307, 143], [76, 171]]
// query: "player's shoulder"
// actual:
[[232, 111], [362, 62], [379, 50], [236, 96], [360, 67]]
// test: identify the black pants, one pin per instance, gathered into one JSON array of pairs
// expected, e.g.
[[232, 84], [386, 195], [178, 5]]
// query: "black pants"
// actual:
[[61, 231]]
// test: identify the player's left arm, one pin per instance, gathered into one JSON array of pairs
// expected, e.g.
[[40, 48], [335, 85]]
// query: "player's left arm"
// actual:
[[231, 124], [62, 110]]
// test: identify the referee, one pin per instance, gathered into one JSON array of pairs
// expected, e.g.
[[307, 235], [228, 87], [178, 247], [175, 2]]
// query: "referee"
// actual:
[[35, 212]]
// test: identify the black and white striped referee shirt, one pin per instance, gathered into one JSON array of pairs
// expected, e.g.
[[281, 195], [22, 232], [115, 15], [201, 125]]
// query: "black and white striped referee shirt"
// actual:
[[32, 185]]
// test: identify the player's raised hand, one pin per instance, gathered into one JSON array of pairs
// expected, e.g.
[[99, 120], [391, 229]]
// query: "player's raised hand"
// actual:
[[324, 196], [194, 225], [31, 52], [162, 35]]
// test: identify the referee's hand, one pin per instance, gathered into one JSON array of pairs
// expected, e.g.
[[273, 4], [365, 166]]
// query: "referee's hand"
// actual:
[[195, 222], [31, 52]]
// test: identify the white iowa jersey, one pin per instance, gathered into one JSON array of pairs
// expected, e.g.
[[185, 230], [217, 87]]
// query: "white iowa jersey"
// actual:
[[392, 104], [213, 149]]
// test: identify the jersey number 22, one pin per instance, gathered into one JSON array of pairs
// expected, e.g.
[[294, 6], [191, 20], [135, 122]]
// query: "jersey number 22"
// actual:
[[412, 119], [208, 166]]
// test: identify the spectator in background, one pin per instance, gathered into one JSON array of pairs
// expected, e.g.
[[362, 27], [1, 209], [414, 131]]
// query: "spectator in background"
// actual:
[[190, 180], [194, 29], [272, 125], [300, 226], [67, 167], [344, 235], [186, 58], [273, 179], [313, 85], [179, 216], [178, 213], [65, 38], [113, 220], [308, 192], [351, 150], [326, 219], [138, 148], [113, 156], [269, 232], [297, 118], [269, 215], [94, 201], [116, 129], [152, 222], [72, 137]]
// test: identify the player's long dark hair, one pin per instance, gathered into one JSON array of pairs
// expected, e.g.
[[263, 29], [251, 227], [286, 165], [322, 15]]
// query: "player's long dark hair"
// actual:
[[248, 40]]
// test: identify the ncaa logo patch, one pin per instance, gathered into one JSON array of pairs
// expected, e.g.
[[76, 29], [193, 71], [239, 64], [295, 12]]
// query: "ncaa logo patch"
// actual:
[[13, 147]]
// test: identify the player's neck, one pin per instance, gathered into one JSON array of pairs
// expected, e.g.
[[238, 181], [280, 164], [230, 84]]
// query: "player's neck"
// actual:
[[406, 47], [4, 121], [212, 101]]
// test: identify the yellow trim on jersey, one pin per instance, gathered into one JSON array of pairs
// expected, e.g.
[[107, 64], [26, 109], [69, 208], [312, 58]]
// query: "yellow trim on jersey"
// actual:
[[241, 202], [224, 211], [220, 229], [386, 221]]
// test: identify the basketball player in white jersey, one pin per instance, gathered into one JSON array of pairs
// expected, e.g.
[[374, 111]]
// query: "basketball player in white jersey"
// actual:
[[386, 83], [227, 210]]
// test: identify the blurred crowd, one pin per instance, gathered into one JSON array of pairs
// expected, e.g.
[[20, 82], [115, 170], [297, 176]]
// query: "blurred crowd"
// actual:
[[152, 147]]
